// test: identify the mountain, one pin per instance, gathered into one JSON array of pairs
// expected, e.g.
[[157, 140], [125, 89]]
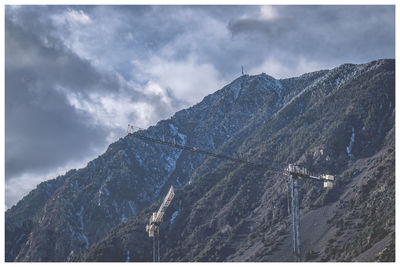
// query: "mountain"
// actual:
[[338, 121]]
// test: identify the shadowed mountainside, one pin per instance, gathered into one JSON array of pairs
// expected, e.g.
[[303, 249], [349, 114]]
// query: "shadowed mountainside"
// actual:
[[338, 121]]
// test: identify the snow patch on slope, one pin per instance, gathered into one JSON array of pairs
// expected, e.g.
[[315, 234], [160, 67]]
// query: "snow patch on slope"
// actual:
[[176, 153], [123, 217], [82, 227], [132, 207], [236, 87], [350, 146], [173, 216], [171, 156]]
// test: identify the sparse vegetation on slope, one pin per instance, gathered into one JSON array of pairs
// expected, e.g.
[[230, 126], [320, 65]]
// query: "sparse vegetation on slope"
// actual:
[[338, 121]]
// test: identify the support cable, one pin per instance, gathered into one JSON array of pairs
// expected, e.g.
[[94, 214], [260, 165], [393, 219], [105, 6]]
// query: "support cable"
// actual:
[[197, 150]]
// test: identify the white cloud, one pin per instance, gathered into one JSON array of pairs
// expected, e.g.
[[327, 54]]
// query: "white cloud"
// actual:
[[145, 114], [72, 16], [164, 72], [188, 79], [78, 17], [268, 13], [153, 88], [278, 68], [116, 111], [112, 111]]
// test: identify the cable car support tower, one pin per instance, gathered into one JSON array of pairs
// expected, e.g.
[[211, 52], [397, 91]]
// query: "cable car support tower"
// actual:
[[295, 173]]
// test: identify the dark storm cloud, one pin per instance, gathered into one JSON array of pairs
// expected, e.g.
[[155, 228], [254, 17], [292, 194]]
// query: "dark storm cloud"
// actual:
[[42, 129], [268, 28], [324, 33]]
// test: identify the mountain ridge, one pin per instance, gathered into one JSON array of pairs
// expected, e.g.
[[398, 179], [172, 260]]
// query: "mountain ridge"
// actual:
[[233, 120]]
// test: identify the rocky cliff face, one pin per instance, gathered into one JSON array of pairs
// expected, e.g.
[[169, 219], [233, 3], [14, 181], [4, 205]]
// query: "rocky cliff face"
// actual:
[[339, 121]]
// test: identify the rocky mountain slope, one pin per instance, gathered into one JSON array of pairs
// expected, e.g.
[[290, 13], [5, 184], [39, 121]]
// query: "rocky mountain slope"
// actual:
[[338, 121]]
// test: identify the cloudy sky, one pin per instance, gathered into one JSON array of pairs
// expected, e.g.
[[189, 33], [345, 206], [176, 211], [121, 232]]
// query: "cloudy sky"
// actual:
[[77, 75]]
